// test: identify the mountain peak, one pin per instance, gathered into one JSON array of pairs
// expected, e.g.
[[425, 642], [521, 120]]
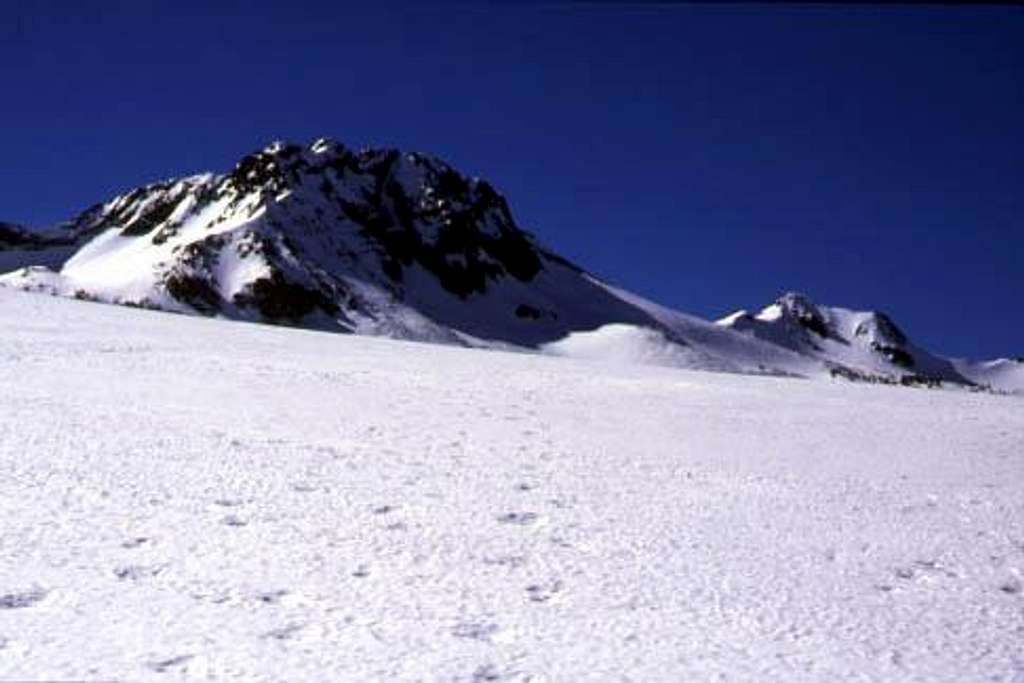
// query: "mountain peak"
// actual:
[[376, 241], [796, 301], [795, 309]]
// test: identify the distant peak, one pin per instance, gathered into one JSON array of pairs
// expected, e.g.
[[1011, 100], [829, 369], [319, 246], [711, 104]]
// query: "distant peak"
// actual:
[[797, 303], [792, 308], [13, 234]]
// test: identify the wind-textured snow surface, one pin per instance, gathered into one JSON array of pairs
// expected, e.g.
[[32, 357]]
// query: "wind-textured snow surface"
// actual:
[[196, 498]]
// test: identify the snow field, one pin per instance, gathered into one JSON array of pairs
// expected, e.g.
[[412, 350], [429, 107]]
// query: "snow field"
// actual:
[[186, 498]]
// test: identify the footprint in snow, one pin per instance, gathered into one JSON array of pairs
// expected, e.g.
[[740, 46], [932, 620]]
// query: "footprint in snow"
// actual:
[[490, 672], [904, 573], [135, 542], [929, 568], [560, 542], [510, 561], [487, 672], [520, 518], [474, 630], [233, 520], [163, 665], [284, 633], [543, 593], [272, 597], [21, 599], [137, 572]]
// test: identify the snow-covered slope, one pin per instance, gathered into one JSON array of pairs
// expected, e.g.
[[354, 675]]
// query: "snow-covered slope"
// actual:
[[386, 243], [185, 498], [1006, 374]]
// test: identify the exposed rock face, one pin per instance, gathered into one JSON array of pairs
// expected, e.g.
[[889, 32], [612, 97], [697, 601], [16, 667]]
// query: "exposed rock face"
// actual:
[[798, 309], [375, 241]]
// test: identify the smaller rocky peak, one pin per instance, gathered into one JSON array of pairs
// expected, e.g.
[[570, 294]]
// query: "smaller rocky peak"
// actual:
[[804, 312]]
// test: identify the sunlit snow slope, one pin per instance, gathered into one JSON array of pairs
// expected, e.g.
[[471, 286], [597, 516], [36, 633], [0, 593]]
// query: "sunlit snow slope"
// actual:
[[193, 498]]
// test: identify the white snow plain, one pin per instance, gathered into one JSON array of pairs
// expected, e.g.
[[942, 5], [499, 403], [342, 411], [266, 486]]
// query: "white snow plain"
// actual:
[[186, 498]]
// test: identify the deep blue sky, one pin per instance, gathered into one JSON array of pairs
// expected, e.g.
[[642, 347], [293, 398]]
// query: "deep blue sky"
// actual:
[[709, 157]]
